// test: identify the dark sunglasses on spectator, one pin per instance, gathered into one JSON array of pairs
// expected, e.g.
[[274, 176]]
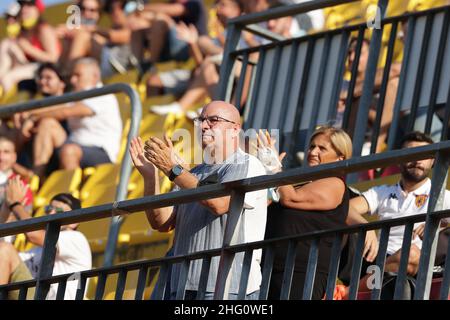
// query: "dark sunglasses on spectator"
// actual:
[[50, 208]]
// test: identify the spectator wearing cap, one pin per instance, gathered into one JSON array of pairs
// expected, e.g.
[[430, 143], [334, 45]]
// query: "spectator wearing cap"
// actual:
[[73, 253], [36, 43]]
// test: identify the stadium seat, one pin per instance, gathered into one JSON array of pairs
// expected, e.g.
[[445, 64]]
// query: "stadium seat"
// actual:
[[59, 181], [104, 174]]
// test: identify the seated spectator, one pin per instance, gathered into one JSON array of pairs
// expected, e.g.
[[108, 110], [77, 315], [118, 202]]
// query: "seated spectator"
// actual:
[[73, 253], [317, 205], [391, 93], [160, 39], [10, 170], [407, 197], [90, 16], [37, 42], [49, 83], [109, 46], [206, 77], [95, 126]]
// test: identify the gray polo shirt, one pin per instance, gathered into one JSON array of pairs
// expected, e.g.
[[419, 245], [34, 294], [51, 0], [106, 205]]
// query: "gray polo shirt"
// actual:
[[198, 229]]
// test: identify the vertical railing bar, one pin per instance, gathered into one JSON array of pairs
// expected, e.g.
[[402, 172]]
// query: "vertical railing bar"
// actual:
[[183, 279], [437, 71], [381, 260], [445, 287], [288, 270], [81, 288], [383, 89], [332, 109], [141, 282], [318, 90], [100, 290], [241, 81], [121, 284], [356, 267], [311, 269], [301, 100], [403, 76], [48, 259], [245, 274], [160, 285], [401, 276], [4, 294], [334, 266], [368, 83], [419, 76], [354, 76], [61, 289], [288, 87], [23, 293], [446, 118], [230, 237], [430, 238], [257, 84], [250, 97], [266, 273], [270, 91], [206, 265]]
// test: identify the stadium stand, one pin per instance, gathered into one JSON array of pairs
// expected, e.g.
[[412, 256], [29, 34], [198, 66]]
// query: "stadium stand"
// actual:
[[295, 86]]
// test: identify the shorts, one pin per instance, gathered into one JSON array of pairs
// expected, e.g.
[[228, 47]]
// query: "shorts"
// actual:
[[174, 48], [91, 157], [21, 273], [175, 81]]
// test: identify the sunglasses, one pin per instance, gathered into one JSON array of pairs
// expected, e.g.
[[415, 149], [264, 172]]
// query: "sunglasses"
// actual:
[[87, 9], [50, 208]]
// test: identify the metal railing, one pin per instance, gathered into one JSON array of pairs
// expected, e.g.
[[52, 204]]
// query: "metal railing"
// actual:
[[295, 83], [125, 169], [237, 189]]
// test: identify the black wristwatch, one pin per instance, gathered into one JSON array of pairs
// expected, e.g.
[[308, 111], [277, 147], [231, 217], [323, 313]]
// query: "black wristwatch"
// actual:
[[175, 172]]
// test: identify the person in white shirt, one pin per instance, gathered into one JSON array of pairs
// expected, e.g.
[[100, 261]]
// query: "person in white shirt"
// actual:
[[95, 125], [73, 253], [407, 197]]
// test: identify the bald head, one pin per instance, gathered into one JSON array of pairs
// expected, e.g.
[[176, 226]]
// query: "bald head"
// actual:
[[222, 109]]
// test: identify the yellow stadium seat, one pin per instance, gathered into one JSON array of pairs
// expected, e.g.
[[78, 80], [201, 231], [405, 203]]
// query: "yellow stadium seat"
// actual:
[[96, 231], [107, 173], [59, 181]]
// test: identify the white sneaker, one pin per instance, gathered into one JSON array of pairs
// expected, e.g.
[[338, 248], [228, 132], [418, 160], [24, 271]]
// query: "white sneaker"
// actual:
[[166, 109], [191, 114]]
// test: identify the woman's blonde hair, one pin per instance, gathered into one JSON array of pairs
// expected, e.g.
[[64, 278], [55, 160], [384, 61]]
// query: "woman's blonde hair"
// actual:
[[339, 139]]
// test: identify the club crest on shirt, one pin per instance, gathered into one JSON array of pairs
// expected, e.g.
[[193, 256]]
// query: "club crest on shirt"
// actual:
[[421, 199]]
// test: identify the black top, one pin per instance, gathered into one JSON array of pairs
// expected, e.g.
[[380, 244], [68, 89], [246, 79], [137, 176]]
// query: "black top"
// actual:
[[196, 15], [282, 221]]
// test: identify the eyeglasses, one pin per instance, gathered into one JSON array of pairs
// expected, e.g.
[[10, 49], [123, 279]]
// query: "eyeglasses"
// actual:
[[211, 120], [50, 208]]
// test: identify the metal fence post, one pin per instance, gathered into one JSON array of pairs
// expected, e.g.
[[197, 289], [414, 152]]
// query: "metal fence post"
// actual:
[[229, 238], [428, 251], [48, 259]]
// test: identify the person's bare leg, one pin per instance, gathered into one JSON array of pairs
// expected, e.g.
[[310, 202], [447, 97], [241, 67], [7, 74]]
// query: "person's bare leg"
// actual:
[[50, 135], [154, 85], [6, 61], [202, 85], [70, 156], [393, 262], [81, 45], [17, 74], [158, 36], [9, 260]]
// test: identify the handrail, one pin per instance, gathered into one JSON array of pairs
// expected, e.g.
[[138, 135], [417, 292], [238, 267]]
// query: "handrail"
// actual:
[[125, 170], [217, 190]]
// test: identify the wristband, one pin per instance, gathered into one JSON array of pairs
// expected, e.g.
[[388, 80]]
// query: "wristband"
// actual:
[[12, 205]]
